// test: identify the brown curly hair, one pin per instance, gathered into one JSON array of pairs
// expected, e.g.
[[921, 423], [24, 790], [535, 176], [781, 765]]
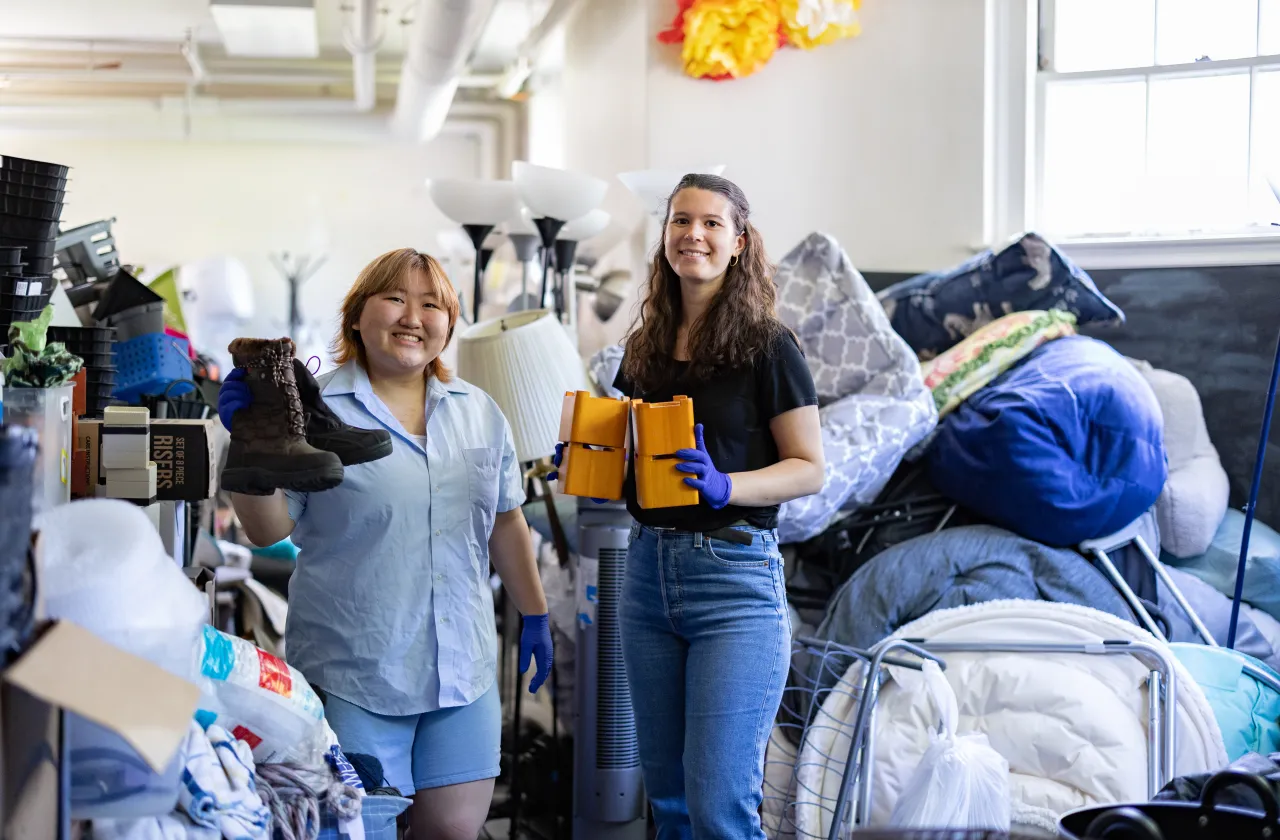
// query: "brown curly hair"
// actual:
[[740, 323]]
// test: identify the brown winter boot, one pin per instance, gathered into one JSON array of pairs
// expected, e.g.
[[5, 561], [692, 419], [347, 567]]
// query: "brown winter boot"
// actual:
[[269, 448]]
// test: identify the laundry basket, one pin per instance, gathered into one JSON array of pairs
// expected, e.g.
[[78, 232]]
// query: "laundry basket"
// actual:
[[819, 682], [149, 364]]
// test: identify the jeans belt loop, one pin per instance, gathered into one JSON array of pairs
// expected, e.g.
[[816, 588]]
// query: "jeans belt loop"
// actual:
[[697, 539]]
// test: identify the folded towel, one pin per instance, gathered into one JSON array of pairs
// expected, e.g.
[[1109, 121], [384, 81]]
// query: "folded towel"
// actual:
[[169, 827], [218, 787]]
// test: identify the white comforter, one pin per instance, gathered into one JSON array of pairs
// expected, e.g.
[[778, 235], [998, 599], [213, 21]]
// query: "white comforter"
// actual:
[[1073, 727]]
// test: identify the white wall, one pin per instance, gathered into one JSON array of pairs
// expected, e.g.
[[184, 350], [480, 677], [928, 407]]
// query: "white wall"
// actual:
[[877, 140], [177, 201]]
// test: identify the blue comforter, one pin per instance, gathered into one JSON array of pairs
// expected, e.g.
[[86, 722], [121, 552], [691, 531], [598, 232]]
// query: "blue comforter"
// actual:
[[1065, 447]]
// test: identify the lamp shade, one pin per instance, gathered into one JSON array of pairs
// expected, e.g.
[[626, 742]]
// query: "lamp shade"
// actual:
[[522, 222], [526, 362], [654, 186], [585, 227], [557, 193], [474, 202]]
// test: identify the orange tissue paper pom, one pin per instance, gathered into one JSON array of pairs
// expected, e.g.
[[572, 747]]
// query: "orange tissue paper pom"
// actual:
[[815, 23], [726, 39]]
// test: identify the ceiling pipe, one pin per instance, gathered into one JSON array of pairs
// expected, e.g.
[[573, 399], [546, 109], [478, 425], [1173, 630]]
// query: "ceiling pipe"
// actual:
[[362, 40], [442, 38]]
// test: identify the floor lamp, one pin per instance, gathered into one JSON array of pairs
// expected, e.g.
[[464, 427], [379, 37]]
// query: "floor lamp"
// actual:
[[479, 206], [554, 197], [654, 187], [526, 362], [566, 248]]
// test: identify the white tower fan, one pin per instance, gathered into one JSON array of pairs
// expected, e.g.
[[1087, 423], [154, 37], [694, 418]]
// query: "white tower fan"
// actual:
[[608, 793]]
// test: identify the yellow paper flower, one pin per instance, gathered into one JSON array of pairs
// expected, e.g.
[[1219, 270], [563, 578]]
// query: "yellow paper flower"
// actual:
[[815, 23], [729, 38]]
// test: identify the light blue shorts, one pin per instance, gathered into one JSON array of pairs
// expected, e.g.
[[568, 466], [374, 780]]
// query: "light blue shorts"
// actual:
[[431, 750]]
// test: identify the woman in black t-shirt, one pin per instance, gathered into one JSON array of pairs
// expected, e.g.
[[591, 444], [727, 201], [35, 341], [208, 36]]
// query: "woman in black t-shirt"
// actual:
[[706, 632]]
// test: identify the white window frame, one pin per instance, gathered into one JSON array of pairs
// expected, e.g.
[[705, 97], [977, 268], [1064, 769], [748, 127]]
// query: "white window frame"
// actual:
[[1014, 142]]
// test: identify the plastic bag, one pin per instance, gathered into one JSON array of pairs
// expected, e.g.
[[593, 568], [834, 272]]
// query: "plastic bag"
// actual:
[[260, 700], [961, 782]]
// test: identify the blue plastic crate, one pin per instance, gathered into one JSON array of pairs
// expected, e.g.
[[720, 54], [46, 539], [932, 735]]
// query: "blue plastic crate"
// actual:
[[378, 814], [149, 364]]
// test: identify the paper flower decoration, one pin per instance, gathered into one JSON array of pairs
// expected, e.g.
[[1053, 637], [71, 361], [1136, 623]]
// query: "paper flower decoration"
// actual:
[[725, 39], [815, 23]]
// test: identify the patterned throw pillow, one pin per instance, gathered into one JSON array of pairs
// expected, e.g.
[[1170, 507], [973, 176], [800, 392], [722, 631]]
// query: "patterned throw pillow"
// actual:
[[935, 311], [961, 371], [847, 339]]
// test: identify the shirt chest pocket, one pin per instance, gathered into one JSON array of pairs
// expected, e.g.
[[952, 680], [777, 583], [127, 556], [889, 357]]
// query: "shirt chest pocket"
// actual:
[[483, 465]]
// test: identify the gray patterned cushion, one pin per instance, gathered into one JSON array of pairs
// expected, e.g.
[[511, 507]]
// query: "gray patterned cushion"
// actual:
[[875, 405]]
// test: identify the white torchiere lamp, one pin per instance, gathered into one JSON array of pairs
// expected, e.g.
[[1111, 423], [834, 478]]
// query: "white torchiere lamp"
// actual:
[[578, 230], [525, 241], [479, 206], [654, 186], [554, 197]]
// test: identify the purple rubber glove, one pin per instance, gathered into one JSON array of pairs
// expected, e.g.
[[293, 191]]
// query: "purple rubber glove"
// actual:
[[233, 396], [535, 642], [714, 485], [556, 459]]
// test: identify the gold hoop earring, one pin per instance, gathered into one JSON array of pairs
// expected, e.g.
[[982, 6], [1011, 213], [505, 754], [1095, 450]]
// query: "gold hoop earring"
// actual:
[[733, 260]]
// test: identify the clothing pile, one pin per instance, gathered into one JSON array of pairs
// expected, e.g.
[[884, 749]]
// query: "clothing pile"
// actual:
[[1043, 450]]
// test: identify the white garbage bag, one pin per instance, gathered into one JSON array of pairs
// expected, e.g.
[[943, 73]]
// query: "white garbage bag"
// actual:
[[961, 782]]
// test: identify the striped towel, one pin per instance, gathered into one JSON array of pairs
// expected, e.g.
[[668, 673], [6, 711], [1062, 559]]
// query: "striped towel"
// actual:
[[218, 788]]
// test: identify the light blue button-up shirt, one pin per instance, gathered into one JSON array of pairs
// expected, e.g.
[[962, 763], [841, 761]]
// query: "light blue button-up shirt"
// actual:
[[390, 606]]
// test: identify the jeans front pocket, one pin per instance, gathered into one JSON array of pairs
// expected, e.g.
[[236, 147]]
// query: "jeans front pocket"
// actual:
[[757, 555]]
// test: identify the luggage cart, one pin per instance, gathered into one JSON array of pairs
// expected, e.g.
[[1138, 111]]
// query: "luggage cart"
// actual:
[[817, 673], [853, 805]]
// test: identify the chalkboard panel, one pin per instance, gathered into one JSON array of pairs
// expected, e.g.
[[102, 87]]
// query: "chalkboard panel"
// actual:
[[1216, 326]]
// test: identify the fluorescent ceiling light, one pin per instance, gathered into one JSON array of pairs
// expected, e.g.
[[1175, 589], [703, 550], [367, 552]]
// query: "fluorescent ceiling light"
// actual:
[[267, 28]]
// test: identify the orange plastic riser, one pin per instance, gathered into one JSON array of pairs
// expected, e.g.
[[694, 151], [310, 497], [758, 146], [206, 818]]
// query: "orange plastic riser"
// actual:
[[597, 421], [660, 485], [594, 473], [661, 430]]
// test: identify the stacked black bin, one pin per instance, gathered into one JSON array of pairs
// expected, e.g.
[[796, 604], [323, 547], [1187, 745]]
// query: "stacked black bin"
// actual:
[[95, 346], [31, 196]]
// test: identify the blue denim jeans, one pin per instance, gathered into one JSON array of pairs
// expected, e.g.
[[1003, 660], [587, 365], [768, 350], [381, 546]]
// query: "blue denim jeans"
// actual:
[[706, 640]]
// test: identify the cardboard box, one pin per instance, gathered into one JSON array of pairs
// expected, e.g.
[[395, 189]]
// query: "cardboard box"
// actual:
[[181, 449], [69, 669]]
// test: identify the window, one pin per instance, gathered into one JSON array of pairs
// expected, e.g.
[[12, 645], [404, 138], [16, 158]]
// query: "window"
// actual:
[[1157, 118]]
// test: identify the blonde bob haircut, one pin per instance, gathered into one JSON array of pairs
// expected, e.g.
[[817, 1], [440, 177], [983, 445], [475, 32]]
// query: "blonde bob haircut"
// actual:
[[387, 273]]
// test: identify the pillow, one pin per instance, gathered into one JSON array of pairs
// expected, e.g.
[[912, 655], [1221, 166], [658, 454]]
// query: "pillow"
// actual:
[[1217, 566], [1065, 447], [875, 406], [843, 330], [969, 366], [934, 311], [1195, 496]]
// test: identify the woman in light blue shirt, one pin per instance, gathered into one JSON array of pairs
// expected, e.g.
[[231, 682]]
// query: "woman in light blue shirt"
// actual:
[[390, 610]]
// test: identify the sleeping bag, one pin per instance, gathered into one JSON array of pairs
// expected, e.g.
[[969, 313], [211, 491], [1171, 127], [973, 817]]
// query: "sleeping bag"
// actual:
[[1065, 447]]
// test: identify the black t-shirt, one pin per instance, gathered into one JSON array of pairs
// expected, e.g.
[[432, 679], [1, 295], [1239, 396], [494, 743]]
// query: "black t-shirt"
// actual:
[[734, 408]]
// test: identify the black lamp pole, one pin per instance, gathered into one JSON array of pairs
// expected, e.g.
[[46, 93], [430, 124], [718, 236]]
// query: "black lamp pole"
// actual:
[[478, 234], [548, 228]]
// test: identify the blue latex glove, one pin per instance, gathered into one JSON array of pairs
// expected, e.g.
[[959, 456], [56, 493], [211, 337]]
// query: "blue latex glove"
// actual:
[[535, 641], [233, 396], [556, 459], [714, 485]]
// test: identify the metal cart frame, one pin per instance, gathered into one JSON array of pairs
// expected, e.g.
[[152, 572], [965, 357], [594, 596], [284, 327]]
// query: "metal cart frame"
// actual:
[[860, 764]]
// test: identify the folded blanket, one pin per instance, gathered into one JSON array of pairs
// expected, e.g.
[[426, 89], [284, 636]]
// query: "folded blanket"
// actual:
[[218, 787]]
